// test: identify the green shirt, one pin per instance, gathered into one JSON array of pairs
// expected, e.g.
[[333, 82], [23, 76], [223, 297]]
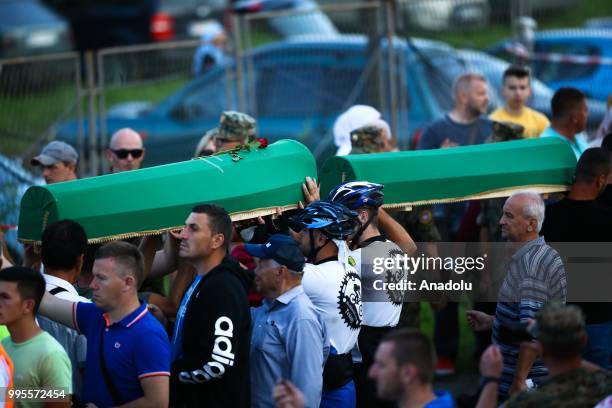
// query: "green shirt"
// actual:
[[40, 362]]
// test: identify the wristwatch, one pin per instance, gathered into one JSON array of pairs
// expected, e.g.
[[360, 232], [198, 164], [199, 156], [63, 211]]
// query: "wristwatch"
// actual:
[[487, 379]]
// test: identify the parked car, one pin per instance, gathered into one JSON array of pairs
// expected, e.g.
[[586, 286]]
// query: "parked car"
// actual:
[[493, 68], [313, 22], [599, 23], [107, 23], [581, 58], [300, 86], [428, 15], [27, 27]]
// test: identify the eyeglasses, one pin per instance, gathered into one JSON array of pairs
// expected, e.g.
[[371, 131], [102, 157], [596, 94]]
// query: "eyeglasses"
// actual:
[[123, 153]]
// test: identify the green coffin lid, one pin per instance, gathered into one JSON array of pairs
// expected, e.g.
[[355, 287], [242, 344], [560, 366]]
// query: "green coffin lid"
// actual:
[[153, 200], [460, 173]]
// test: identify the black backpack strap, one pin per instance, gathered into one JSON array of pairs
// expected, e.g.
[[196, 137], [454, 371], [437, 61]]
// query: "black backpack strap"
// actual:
[[56, 290], [107, 377]]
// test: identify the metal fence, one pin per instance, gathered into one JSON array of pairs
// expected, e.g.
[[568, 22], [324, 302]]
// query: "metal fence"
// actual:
[[291, 66], [36, 93], [294, 65], [131, 80], [80, 97]]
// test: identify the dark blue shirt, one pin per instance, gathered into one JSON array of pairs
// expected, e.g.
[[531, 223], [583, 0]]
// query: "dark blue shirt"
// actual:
[[462, 134], [136, 347]]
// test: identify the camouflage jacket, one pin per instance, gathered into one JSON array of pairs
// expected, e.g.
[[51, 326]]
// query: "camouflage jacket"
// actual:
[[574, 389]]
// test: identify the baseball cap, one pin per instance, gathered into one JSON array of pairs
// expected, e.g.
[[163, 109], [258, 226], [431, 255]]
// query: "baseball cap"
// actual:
[[355, 117], [55, 152], [281, 248]]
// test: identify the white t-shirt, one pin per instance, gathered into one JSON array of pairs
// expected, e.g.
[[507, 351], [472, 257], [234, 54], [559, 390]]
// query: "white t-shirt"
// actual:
[[69, 292], [335, 291], [386, 310], [74, 343]]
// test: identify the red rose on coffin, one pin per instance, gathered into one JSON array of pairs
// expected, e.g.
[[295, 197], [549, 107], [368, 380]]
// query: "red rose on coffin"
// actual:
[[263, 142]]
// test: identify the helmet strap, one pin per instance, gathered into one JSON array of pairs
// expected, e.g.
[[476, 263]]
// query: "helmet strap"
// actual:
[[312, 254], [355, 241]]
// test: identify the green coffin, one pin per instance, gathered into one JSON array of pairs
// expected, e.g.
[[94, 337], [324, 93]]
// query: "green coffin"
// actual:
[[460, 173], [157, 199]]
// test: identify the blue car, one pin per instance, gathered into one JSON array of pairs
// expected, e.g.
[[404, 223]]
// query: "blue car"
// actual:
[[580, 58], [298, 88]]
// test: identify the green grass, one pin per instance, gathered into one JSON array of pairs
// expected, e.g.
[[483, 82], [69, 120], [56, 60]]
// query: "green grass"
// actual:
[[152, 91], [566, 18], [24, 119]]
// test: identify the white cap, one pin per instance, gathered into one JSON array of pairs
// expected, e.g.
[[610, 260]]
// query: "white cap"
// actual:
[[210, 31], [354, 118]]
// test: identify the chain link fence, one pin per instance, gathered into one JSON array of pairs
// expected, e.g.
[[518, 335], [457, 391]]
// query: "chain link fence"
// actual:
[[134, 80], [36, 93], [305, 78]]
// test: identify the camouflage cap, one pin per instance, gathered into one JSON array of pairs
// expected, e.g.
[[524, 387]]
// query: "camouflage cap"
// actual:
[[558, 321], [367, 139], [505, 131], [236, 127]]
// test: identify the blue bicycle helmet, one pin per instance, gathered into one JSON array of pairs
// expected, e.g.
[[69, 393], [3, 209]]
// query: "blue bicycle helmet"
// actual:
[[333, 219], [357, 194]]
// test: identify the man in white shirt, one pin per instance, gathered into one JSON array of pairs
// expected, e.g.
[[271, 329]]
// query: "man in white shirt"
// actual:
[[333, 284], [62, 253]]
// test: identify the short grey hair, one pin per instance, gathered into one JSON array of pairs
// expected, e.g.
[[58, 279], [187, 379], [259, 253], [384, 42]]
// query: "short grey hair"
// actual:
[[534, 208], [291, 271], [463, 81]]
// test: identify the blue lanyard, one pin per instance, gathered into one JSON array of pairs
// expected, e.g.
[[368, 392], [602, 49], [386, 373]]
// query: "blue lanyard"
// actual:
[[177, 336]]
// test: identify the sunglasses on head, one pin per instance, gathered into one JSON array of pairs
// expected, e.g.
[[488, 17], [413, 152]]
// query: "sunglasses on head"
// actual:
[[124, 153]]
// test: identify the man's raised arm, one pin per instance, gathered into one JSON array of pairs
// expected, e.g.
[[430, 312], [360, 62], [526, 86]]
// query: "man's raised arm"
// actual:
[[57, 309]]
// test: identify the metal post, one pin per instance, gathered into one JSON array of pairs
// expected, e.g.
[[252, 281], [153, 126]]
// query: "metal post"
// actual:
[[236, 21], [93, 134], [102, 110], [250, 77], [373, 52], [390, 13], [79, 101]]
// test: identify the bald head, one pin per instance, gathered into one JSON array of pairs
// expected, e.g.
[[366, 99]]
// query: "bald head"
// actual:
[[126, 151]]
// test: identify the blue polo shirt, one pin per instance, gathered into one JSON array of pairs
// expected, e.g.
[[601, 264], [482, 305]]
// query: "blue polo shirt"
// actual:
[[134, 348]]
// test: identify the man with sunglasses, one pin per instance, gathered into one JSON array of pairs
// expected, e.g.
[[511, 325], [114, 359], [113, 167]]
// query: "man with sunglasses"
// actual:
[[125, 151]]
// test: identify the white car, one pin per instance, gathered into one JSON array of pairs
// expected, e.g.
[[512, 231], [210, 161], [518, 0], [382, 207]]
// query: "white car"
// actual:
[[428, 15]]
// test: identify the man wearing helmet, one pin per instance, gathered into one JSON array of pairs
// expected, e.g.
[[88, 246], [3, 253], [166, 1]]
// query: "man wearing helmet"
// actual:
[[332, 282], [381, 311]]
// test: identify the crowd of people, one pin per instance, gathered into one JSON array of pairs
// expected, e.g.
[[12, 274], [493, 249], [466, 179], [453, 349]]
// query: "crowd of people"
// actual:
[[270, 311]]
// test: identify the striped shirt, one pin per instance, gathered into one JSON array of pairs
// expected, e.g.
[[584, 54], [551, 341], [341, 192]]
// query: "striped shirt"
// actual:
[[535, 276]]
